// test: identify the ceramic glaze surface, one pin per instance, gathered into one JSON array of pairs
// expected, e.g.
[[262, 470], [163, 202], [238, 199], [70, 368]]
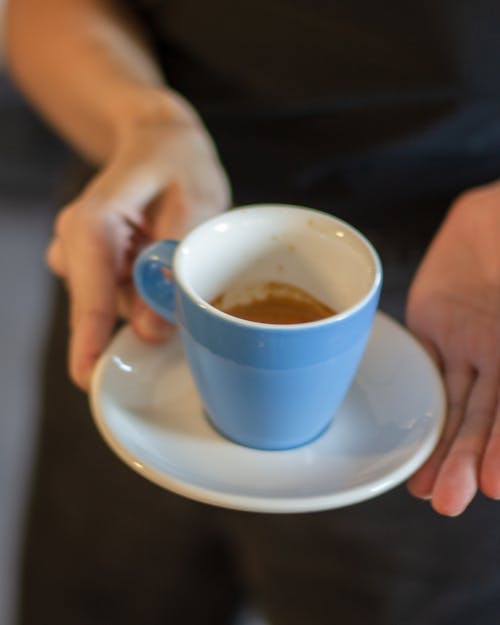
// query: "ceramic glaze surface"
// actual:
[[265, 385], [147, 408]]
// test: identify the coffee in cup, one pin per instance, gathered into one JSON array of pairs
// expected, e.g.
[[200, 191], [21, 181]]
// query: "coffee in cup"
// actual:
[[274, 302]]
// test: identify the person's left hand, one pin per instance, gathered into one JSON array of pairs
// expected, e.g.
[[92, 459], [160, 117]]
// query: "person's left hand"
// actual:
[[454, 309], [163, 178]]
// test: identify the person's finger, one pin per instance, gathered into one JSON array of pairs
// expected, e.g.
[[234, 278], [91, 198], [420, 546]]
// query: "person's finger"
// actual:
[[148, 325], [163, 218], [92, 287], [433, 352], [125, 299], [55, 258], [458, 478], [169, 214], [458, 382], [490, 468]]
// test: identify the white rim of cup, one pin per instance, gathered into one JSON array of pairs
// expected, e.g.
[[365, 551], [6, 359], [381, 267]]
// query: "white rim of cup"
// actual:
[[336, 318]]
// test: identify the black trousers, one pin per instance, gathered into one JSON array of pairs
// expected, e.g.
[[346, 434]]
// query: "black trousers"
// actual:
[[103, 546]]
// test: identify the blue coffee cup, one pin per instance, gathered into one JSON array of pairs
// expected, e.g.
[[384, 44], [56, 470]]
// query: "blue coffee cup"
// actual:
[[267, 386]]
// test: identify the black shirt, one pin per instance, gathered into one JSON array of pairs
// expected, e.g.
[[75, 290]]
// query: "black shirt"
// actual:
[[347, 105]]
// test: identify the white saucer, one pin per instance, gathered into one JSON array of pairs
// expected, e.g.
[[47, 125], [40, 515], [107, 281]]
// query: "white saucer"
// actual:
[[146, 408]]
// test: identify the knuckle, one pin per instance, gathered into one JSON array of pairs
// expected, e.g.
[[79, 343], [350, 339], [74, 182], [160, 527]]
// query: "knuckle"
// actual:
[[53, 260], [62, 221], [82, 220]]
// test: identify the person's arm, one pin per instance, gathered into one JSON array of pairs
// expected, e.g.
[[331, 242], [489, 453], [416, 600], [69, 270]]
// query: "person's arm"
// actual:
[[87, 68], [454, 308]]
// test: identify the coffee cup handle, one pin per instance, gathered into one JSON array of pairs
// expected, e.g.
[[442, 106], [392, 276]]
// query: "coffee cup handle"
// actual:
[[155, 288]]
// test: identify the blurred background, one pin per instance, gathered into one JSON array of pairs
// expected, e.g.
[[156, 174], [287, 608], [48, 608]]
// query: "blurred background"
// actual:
[[31, 165]]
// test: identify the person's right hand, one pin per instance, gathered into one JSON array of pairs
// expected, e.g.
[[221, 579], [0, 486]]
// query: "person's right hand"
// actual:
[[454, 309], [163, 179]]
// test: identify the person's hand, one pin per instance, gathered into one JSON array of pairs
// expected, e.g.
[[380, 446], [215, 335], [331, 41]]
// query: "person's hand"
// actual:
[[454, 308], [164, 178]]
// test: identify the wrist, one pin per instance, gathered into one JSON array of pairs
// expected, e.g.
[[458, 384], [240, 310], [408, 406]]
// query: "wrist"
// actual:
[[150, 107]]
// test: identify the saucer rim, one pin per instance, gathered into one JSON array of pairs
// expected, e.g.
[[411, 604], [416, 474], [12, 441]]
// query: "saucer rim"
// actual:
[[272, 504]]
